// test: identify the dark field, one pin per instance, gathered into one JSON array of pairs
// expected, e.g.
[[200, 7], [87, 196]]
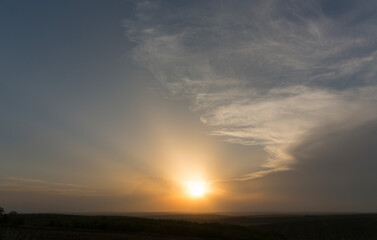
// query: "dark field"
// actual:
[[190, 226], [301, 227], [55, 226]]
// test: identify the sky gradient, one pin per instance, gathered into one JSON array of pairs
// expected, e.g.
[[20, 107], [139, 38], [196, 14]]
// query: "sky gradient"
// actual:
[[115, 105]]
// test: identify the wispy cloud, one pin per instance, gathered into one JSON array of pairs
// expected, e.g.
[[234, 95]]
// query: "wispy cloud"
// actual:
[[28, 184], [262, 73]]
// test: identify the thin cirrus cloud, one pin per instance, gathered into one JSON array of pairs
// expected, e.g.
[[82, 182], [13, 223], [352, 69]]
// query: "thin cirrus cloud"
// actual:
[[23, 184], [265, 73]]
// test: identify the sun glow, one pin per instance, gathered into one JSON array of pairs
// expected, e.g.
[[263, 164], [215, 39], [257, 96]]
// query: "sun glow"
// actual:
[[197, 189]]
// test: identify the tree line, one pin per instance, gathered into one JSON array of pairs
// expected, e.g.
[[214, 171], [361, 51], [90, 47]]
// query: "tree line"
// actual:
[[10, 218]]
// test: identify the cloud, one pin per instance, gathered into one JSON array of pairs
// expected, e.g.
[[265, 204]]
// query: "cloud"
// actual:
[[27, 184], [336, 172], [263, 73]]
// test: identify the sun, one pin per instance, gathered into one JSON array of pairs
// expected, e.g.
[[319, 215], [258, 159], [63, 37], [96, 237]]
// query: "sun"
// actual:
[[197, 189]]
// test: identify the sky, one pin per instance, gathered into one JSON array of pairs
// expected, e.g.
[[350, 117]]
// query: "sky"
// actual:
[[115, 106]]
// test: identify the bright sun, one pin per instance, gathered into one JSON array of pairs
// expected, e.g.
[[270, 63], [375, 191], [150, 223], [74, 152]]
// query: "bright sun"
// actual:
[[197, 189]]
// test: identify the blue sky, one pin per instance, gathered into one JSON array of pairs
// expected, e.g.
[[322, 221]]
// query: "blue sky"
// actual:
[[116, 103]]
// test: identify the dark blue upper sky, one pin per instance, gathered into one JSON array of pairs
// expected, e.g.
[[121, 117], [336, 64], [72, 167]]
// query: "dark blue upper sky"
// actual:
[[55, 54], [55, 50]]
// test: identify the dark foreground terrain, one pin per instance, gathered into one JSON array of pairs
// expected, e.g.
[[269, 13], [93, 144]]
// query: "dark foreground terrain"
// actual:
[[300, 227], [190, 226], [56, 226]]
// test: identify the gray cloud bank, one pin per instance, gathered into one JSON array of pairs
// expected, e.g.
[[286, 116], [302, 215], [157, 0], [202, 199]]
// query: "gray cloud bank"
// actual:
[[335, 172], [266, 73]]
